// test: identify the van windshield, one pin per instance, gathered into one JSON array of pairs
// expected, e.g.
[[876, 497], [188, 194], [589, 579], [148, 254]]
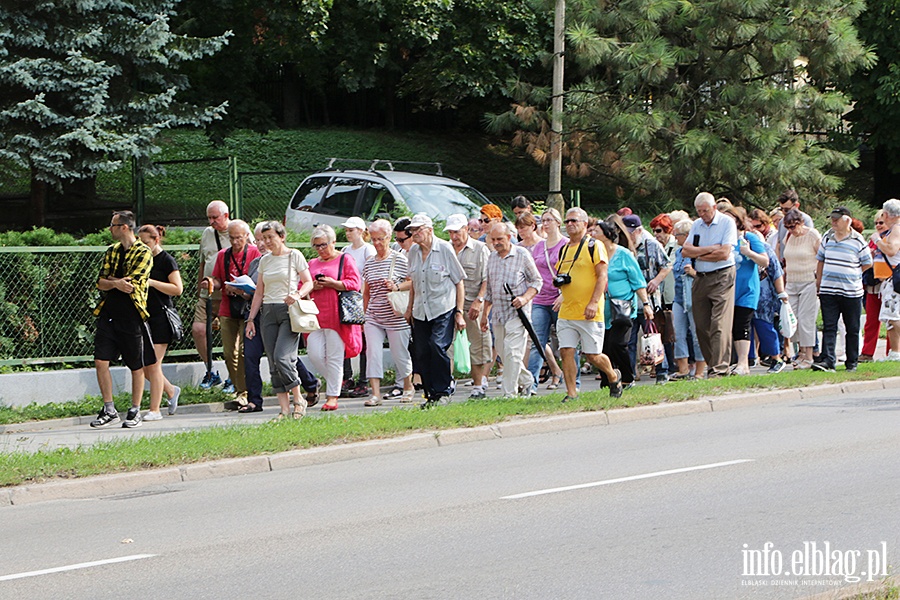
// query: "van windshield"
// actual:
[[441, 201]]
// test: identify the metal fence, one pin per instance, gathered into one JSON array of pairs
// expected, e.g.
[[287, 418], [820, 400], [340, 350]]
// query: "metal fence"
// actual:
[[48, 294], [265, 194]]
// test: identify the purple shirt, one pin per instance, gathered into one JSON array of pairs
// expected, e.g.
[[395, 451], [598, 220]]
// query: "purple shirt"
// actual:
[[548, 293]]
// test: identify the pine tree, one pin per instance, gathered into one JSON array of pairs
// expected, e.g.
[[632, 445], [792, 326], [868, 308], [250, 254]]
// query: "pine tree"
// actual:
[[735, 97], [88, 84]]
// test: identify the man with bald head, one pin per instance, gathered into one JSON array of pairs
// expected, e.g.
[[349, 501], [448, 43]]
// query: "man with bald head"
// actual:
[[214, 239], [710, 246]]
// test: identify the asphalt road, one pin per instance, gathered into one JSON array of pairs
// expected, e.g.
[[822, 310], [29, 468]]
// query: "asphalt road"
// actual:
[[670, 508]]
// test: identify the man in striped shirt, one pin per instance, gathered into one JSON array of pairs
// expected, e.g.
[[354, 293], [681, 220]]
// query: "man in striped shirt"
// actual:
[[842, 257]]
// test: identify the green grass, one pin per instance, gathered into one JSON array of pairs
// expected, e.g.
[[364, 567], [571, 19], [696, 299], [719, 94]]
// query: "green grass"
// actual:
[[247, 440]]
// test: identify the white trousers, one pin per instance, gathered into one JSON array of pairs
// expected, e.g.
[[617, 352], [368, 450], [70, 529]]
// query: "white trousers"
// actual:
[[325, 350], [398, 341], [510, 338]]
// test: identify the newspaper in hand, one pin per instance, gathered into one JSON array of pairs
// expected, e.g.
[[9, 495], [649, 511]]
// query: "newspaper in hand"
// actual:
[[243, 283]]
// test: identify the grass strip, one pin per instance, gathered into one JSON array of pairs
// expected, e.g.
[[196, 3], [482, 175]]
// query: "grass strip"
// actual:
[[248, 440]]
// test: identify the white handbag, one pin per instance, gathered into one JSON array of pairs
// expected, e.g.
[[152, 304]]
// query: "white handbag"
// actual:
[[400, 299], [303, 316]]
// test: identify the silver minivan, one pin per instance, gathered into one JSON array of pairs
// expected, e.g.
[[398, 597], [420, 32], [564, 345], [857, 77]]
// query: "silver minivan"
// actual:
[[332, 196]]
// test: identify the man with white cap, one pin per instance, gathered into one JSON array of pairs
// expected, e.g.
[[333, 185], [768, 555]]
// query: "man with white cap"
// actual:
[[436, 300], [473, 256]]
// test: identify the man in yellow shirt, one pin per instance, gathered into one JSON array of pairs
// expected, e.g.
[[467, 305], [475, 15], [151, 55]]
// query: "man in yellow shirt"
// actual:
[[581, 278]]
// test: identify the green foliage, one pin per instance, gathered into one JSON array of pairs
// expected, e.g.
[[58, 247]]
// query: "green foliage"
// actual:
[[670, 98], [88, 85]]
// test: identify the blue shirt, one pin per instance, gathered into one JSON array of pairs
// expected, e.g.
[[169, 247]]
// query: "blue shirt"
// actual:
[[720, 231], [624, 278], [746, 281]]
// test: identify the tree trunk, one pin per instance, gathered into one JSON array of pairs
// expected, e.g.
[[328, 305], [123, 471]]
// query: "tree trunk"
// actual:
[[38, 201]]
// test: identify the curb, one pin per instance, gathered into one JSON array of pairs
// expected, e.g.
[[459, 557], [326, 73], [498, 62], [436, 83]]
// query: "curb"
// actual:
[[122, 483]]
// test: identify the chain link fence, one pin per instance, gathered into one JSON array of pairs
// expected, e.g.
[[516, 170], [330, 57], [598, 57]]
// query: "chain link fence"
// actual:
[[47, 298], [48, 295], [265, 194]]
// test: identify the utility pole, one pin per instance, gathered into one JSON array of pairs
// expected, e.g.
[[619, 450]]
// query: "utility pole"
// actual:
[[555, 199]]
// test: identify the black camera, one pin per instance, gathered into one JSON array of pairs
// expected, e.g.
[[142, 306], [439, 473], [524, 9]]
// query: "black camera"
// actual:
[[561, 280]]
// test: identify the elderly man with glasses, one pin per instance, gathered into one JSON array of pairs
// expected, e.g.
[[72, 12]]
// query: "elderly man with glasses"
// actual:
[[436, 301]]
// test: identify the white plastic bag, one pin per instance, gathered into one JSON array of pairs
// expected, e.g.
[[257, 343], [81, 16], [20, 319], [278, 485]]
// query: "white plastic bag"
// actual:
[[787, 320]]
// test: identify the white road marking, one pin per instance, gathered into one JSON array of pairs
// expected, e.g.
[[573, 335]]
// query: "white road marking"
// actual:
[[86, 565], [582, 486]]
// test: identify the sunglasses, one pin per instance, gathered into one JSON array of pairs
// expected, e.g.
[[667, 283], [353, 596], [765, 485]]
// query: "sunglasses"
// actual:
[[758, 225], [567, 221], [792, 225], [658, 230], [485, 220], [879, 222]]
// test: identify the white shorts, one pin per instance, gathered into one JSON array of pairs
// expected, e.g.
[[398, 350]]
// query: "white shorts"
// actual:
[[589, 333]]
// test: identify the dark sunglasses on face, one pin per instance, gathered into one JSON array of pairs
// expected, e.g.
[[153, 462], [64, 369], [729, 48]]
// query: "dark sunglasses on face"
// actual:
[[879, 222], [792, 225], [485, 220], [572, 221], [658, 230]]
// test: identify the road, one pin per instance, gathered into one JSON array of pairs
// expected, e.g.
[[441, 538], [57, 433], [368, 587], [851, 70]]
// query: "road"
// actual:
[[451, 522]]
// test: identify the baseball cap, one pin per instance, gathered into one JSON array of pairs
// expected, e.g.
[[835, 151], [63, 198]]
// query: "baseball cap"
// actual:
[[840, 211], [456, 222], [354, 222], [631, 221], [421, 220]]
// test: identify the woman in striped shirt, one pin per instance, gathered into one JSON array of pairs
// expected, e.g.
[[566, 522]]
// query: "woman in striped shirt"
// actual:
[[384, 273]]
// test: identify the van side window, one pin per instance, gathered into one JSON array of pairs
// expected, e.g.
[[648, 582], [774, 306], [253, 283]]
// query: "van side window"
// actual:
[[376, 199], [340, 200], [309, 195]]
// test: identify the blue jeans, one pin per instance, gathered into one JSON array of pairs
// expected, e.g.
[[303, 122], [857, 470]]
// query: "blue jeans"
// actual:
[[836, 307], [683, 321], [542, 318]]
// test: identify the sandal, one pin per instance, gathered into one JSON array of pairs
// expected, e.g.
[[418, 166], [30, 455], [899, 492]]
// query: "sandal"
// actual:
[[544, 374], [312, 396], [299, 411], [249, 408], [373, 401], [279, 417], [407, 397], [326, 407], [554, 382], [395, 392]]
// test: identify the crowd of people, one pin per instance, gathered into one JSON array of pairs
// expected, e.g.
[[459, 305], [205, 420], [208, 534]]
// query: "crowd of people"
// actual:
[[536, 298]]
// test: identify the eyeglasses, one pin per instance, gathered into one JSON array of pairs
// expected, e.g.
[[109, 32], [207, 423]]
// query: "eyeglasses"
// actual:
[[114, 225], [758, 225], [567, 221], [320, 246], [791, 225], [413, 230], [400, 240], [485, 220], [879, 222], [658, 230]]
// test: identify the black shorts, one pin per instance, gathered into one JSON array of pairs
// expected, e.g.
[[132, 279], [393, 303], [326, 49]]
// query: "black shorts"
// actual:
[[127, 338], [740, 325], [160, 329]]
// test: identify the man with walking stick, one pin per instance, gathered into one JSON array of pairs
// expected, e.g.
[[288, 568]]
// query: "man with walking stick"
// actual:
[[512, 281]]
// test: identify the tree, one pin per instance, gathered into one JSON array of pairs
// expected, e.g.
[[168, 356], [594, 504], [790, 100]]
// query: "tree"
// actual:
[[876, 94], [675, 96], [88, 84]]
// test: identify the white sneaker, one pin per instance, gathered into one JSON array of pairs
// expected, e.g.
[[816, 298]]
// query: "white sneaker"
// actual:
[[484, 382], [152, 416], [893, 356]]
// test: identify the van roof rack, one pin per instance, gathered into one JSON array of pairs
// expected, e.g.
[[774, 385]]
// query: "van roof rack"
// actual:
[[373, 164]]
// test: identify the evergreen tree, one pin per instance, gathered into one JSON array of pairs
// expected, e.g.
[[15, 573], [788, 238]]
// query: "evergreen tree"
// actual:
[[735, 97], [88, 84]]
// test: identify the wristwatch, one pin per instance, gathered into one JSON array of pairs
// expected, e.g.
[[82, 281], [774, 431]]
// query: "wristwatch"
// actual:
[[480, 298]]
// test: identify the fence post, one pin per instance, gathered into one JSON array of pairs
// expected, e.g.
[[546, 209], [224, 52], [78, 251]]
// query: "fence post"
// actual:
[[234, 192], [137, 190]]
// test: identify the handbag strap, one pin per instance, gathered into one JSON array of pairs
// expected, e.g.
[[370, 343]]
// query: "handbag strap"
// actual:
[[650, 327], [547, 258], [393, 262], [341, 266]]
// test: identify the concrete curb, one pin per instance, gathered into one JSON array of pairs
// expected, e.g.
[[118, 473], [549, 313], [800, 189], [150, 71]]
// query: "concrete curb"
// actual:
[[121, 483]]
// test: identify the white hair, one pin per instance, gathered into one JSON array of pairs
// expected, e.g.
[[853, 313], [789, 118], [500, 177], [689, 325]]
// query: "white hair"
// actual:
[[242, 225], [381, 226], [578, 213], [223, 208], [704, 198], [678, 215], [892, 208], [323, 231]]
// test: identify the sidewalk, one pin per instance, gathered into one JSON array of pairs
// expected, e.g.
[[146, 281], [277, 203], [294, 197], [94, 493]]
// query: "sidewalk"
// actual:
[[36, 436]]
